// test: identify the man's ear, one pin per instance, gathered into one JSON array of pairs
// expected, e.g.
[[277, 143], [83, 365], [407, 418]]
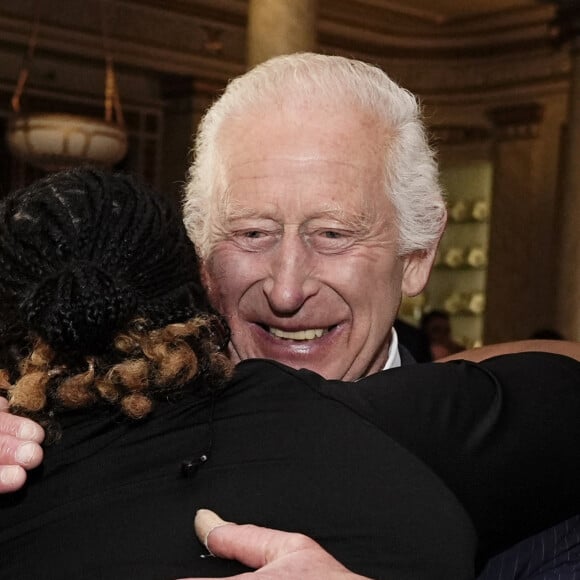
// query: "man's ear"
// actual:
[[416, 270], [417, 265]]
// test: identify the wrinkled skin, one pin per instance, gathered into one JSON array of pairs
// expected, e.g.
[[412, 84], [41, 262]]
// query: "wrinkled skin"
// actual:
[[306, 267]]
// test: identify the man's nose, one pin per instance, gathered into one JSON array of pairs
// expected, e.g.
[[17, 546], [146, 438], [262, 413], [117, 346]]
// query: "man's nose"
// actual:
[[291, 281]]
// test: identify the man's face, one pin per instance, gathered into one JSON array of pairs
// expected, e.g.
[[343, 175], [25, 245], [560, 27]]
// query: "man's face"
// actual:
[[306, 267]]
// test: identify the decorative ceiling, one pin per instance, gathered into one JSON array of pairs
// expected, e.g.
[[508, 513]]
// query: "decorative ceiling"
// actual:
[[446, 10], [207, 38]]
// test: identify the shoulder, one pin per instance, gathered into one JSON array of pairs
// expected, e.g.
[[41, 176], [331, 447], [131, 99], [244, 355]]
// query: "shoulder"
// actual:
[[265, 374], [261, 368], [543, 363]]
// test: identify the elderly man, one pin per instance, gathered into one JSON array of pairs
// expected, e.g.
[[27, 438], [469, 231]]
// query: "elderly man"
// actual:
[[314, 204]]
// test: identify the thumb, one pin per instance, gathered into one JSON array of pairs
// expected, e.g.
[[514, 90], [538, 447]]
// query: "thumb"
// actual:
[[251, 545], [205, 523]]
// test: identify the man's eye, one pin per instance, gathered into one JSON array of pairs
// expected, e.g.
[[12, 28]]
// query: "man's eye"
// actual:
[[331, 241], [332, 235], [254, 240]]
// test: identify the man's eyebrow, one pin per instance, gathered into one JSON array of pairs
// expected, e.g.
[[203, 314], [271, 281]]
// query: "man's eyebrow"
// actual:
[[230, 210], [234, 211], [239, 212], [336, 213], [360, 221]]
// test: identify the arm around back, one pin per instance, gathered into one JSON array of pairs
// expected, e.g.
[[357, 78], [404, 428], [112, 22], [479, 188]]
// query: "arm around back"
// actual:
[[563, 347], [501, 434]]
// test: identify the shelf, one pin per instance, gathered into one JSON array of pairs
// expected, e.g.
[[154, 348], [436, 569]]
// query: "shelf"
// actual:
[[455, 281]]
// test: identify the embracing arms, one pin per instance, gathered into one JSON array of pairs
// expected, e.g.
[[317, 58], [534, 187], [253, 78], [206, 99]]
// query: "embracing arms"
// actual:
[[276, 554]]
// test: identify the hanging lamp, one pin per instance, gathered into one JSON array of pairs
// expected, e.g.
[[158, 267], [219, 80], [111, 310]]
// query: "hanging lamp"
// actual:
[[54, 141]]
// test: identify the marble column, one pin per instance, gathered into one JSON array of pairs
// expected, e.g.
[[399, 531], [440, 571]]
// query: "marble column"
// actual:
[[521, 270], [280, 27], [568, 296]]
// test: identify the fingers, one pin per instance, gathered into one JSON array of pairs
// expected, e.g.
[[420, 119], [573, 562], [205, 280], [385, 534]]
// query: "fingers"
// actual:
[[19, 427], [251, 545], [12, 478], [20, 449]]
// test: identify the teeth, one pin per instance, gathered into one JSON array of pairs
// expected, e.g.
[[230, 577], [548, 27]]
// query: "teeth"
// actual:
[[309, 334]]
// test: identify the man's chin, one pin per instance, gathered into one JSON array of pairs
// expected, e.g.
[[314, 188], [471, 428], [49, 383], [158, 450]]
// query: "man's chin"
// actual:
[[325, 355]]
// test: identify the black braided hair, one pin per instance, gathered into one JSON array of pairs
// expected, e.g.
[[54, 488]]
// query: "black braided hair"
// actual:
[[101, 300], [82, 252]]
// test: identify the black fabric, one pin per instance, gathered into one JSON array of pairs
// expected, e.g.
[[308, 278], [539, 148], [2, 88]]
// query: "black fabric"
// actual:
[[414, 340], [344, 463], [553, 554], [406, 357], [509, 454]]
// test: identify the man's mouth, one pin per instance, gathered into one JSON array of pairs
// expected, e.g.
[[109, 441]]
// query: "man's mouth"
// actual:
[[308, 334]]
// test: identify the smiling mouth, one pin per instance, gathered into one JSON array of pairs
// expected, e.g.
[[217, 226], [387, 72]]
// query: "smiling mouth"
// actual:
[[308, 334]]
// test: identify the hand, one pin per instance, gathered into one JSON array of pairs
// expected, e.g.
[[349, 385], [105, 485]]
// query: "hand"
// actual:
[[20, 448], [276, 555]]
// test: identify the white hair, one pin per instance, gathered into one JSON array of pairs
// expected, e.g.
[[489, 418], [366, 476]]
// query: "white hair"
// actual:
[[411, 175]]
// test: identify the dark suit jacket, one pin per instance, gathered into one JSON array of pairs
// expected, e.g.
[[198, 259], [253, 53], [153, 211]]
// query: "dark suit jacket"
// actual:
[[553, 554], [406, 357], [414, 340]]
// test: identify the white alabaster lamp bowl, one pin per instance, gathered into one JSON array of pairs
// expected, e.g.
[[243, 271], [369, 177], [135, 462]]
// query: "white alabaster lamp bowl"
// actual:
[[54, 141]]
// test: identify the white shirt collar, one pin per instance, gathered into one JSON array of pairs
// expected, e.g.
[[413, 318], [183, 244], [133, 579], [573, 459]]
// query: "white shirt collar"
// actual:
[[394, 358]]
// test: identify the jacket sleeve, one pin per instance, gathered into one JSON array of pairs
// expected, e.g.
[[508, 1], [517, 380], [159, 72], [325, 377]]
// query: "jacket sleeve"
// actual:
[[503, 434]]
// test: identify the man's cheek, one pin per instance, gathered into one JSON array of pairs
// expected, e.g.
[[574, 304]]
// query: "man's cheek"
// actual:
[[208, 281], [224, 279], [214, 285]]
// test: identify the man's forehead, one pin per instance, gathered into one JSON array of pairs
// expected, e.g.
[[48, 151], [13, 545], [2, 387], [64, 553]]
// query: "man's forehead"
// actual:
[[278, 177], [302, 130]]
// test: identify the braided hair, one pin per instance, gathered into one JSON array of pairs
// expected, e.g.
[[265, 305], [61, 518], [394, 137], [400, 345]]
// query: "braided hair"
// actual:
[[100, 298]]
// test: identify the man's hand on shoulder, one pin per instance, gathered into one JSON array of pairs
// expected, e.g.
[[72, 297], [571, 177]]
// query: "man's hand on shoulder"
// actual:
[[20, 449], [275, 555]]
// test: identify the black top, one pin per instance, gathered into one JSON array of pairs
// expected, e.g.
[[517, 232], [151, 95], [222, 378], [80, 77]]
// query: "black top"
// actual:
[[343, 463]]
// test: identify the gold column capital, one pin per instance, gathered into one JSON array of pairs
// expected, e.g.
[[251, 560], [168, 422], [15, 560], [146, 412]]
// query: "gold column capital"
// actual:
[[277, 27]]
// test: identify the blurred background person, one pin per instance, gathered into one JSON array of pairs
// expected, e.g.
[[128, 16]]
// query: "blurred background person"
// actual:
[[437, 327]]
